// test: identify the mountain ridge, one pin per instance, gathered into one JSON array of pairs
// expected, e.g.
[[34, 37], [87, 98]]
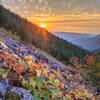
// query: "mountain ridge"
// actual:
[[86, 41]]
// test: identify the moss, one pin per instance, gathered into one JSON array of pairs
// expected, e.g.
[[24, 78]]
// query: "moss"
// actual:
[[13, 96]]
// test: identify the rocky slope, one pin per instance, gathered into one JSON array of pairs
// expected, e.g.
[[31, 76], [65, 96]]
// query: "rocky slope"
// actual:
[[28, 74]]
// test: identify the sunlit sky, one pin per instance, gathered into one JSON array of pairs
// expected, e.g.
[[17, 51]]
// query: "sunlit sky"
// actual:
[[60, 15]]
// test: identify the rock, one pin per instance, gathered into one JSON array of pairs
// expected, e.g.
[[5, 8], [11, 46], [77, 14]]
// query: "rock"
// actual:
[[37, 60], [1, 33], [3, 87], [22, 92], [97, 91], [1, 60], [1, 47], [11, 51], [4, 65], [11, 93], [1, 99]]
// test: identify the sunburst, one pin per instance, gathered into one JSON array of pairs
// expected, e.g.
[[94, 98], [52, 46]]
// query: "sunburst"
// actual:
[[43, 25]]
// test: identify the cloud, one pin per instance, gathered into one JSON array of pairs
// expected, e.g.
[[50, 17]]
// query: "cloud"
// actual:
[[57, 6], [73, 21], [68, 15]]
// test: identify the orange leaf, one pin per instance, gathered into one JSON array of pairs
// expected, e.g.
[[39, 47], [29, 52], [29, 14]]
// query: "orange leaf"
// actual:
[[90, 59], [19, 68], [45, 70], [41, 64]]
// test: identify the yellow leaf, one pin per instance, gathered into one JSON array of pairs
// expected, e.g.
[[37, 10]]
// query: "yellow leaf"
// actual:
[[76, 96], [51, 76], [45, 71], [4, 75], [34, 64], [38, 72]]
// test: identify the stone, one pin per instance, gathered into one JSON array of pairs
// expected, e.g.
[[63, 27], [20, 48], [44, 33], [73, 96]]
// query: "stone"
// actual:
[[3, 87], [22, 92], [97, 91], [4, 65], [1, 47], [1, 60]]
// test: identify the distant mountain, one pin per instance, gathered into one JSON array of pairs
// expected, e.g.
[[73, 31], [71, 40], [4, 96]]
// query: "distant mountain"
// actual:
[[72, 36], [84, 40], [90, 44]]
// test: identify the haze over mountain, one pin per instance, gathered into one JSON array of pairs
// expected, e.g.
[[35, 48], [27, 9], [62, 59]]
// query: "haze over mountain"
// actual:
[[84, 40]]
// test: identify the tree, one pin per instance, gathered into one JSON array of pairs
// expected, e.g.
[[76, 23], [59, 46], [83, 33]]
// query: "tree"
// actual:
[[2, 16]]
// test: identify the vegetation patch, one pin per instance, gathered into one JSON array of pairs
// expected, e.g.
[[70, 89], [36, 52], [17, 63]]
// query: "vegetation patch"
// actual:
[[13, 96]]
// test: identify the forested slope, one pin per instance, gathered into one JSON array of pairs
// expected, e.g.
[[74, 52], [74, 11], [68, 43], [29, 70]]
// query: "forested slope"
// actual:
[[41, 38]]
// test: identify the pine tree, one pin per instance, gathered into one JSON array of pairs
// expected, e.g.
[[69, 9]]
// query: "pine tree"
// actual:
[[2, 19]]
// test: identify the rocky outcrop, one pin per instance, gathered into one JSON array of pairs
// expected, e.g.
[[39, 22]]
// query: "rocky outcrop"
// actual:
[[6, 90]]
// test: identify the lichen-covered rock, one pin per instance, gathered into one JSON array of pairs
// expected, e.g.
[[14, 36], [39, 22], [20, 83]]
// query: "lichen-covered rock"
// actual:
[[22, 92], [3, 87], [12, 93]]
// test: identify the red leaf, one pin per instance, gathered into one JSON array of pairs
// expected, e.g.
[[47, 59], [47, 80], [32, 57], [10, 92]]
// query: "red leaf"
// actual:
[[19, 68]]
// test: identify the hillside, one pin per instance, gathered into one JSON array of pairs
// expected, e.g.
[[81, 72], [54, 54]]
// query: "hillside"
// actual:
[[27, 74], [41, 38]]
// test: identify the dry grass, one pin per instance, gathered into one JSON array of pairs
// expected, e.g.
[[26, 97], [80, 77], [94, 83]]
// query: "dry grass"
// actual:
[[10, 34]]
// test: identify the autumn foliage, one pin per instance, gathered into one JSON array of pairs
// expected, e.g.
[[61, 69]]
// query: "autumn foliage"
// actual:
[[89, 67]]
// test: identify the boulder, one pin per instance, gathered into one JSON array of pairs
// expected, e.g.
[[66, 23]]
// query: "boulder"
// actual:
[[22, 92], [3, 87], [11, 93]]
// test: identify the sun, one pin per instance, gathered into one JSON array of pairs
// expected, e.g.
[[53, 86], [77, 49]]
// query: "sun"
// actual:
[[43, 25]]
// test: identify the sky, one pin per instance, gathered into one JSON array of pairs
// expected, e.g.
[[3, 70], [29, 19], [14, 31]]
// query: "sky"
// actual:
[[60, 15]]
